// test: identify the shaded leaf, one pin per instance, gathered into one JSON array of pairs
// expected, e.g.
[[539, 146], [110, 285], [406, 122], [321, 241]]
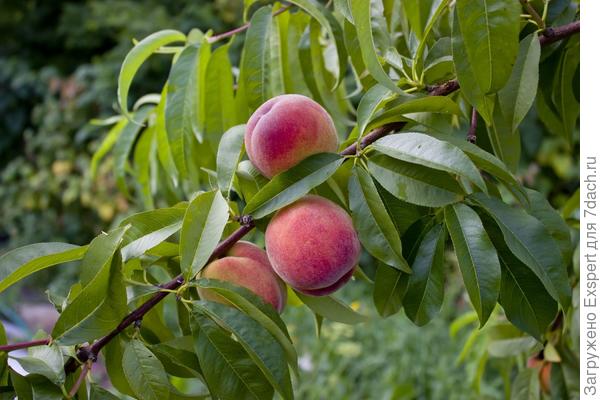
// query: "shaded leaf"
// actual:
[[260, 345], [425, 291], [414, 183], [517, 97], [477, 258], [531, 243], [375, 228], [389, 289], [229, 372], [144, 372], [331, 308]]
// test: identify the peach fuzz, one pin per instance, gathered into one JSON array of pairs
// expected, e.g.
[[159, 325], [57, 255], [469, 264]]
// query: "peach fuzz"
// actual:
[[285, 130], [312, 245], [246, 272], [250, 250]]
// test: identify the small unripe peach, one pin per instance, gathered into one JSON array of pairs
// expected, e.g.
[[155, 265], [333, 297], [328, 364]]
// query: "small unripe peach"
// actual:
[[545, 373], [285, 130], [312, 245], [248, 266]]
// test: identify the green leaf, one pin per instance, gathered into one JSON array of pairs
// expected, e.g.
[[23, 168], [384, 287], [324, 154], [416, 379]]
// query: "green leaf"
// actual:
[[228, 370], [231, 150], [136, 57], [290, 185], [563, 95], [370, 102], [526, 385], [255, 307], [411, 107], [531, 243], [144, 156], [144, 372], [46, 361], [203, 225], [101, 303], [486, 162], [254, 66], [113, 356], [465, 73], [98, 393], [417, 13], [414, 183], [375, 228], [425, 291], [526, 302], [182, 104], [220, 108], [331, 308], [260, 345], [389, 289], [150, 228], [517, 97], [541, 209], [361, 13], [425, 150], [106, 145], [328, 21], [178, 357], [477, 258], [490, 32], [124, 144], [19, 263]]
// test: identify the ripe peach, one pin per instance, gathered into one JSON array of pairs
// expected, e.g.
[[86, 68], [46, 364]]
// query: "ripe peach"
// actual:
[[285, 130], [312, 245], [247, 266], [250, 250]]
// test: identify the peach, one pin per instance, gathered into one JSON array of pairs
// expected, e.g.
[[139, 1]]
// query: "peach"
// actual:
[[545, 373], [248, 266], [312, 245], [285, 130]]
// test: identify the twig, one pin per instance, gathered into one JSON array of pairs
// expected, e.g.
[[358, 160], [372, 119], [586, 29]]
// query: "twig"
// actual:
[[534, 14], [90, 353], [23, 345], [84, 371], [554, 34], [86, 353], [242, 28], [472, 133]]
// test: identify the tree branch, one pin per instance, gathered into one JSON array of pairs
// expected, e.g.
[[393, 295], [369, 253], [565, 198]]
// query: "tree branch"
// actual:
[[244, 27], [472, 133], [551, 35], [23, 345], [91, 352], [534, 14], [84, 371]]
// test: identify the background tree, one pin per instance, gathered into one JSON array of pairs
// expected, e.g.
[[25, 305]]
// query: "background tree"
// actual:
[[436, 73]]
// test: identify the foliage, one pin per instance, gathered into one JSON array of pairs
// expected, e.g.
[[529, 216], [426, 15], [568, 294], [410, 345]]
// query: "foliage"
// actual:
[[422, 188]]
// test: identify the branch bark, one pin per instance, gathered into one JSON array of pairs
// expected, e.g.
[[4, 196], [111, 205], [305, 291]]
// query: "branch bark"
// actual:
[[90, 353], [23, 345], [244, 27]]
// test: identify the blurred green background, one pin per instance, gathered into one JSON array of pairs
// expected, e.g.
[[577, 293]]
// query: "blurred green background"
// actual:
[[59, 62]]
